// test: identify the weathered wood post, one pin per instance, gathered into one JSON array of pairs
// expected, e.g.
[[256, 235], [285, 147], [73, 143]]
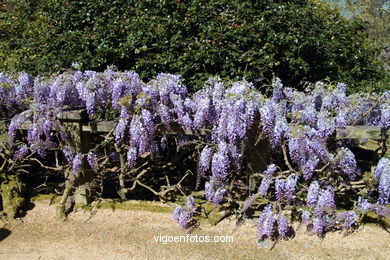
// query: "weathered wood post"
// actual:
[[73, 121]]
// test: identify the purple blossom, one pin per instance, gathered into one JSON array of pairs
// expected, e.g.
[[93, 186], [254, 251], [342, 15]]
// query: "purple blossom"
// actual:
[[363, 205], [136, 131], [77, 163], [326, 125], [220, 162], [169, 83], [309, 115], [63, 92], [312, 195], [289, 187], [349, 219], [239, 88], [277, 94], [90, 103], [264, 186], [148, 122], [21, 153], [69, 154], [92, 160], [236, 127], [184, 215], [294, 147], [326, 102], [283, 225], [40, 151], [165, 114], [339, 97], [340, 120], [383, 167], [281, 131], [384, 122], [46, 127], [346, 163], [250, 110], [204, 160], [163, 142], [267, 113], [190, 104], [235, 155], [25, 85], [41, 90], [317, 146], [305, 217], [176, 213], [209, 191], [270, 169], [309, 167], [15, 124], [325, 201], [184, 219], [279, 188], [190, 205], [186, 121], [202, 112], [265, 225], [382, 211], [118, 91], [220, 129], [131, 156], [384, 188], [318, 225], [219, 195], [248, 203], [285, 189], [120, 130]]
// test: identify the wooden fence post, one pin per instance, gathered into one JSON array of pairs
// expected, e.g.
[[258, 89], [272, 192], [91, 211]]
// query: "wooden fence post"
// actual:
[[74, 121]]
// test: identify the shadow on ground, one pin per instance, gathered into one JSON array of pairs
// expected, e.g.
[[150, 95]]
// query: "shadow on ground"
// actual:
[[4, 233]]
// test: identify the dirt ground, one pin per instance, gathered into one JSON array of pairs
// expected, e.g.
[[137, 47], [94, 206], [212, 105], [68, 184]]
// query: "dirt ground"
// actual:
[[131, 234]]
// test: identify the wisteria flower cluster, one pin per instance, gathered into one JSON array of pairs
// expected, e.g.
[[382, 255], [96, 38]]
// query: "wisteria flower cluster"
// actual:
[[183, 215], [299, 127]]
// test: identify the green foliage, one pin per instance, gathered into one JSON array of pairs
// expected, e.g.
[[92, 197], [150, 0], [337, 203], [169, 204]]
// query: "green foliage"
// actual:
[[298, 41], [375, 13]]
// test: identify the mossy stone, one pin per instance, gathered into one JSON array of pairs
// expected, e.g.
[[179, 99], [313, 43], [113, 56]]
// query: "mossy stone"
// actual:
[[11, 192]]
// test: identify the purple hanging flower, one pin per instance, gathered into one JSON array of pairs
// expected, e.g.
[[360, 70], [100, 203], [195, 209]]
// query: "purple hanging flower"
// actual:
[[264, 186], [383, 167], [349, 219], [283, 225], [21, 153], [190, 205], [265, 225], [92, 160], [219, 195], [204, 160], [384, 188], [305, 217], [270, 169], [77, 163], [318, 225], [176, 213], [248, 203], [312, 195]]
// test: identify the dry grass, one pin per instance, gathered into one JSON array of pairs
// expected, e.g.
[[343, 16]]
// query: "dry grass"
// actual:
[[128, 234]]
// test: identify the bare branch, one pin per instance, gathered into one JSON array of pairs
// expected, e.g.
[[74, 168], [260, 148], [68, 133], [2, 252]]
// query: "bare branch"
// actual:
[[47, 167], [286, 159]]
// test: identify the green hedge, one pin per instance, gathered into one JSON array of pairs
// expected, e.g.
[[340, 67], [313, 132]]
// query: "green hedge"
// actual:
[[297, 40]]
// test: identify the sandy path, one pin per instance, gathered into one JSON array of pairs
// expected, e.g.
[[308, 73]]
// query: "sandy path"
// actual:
[[120, 234]]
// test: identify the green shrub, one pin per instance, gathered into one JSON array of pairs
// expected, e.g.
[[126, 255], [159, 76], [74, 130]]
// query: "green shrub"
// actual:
[[297, 40]]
